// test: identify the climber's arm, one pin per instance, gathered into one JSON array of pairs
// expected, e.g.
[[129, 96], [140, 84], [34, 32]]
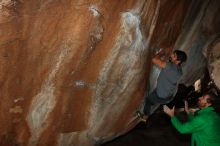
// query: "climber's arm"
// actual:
[[158, 61]]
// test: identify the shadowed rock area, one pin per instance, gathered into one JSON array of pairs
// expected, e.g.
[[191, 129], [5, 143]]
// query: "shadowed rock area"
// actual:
[[73, 72], [157, 132]]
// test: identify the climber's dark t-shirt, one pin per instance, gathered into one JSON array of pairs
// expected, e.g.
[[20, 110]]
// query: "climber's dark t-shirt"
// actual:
[[167, 80]]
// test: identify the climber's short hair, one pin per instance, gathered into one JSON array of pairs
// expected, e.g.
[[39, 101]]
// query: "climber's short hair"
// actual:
[[181, 56]]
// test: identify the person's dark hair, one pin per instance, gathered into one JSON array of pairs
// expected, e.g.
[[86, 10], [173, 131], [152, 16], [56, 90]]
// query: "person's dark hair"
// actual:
[[181, 56], [214, 100], [212, 97]]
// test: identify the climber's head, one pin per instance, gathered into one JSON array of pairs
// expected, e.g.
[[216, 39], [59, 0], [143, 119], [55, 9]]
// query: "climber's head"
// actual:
[[178, 57]]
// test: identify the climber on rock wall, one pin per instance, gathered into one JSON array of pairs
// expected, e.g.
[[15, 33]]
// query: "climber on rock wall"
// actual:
[[166, 87]]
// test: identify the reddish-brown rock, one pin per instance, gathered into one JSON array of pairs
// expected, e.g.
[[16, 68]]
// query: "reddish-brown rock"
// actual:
[[74, 72]]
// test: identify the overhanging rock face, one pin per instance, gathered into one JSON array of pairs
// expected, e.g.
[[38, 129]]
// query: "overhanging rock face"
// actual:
[[74, 72], [214, 61]]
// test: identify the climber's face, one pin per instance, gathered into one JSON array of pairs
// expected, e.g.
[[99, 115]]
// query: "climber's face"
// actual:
[[173, 58]]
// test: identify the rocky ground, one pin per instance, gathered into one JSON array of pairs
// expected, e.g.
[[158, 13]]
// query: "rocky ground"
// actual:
[[157, 132]]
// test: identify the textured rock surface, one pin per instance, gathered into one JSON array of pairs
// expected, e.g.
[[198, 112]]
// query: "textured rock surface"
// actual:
[[73, 72], [214, 61], [200, 30]]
